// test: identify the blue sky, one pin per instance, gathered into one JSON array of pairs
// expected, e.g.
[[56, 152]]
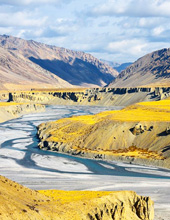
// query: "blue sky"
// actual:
[[115, 30]]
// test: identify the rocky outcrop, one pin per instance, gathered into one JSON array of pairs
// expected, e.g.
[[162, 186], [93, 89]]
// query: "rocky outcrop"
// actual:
[[13, 110], [21, 203], [4, 95], [151, 69], [136, 134], [94, 96], [29, 64]]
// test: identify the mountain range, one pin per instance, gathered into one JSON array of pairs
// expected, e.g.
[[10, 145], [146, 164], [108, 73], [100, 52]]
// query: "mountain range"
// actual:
[[26, 64], [30, 64]]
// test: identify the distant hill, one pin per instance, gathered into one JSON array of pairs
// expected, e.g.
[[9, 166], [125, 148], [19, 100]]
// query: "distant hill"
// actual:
[[151, 69], [122, 66], [26, 64], [117, 66]]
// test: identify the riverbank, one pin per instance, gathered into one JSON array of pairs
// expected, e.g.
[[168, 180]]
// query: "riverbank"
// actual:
[[11, 110], [137, 134]]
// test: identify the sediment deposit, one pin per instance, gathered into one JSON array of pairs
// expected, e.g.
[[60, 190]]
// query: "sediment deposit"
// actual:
[[95, 96], [19, 202], [138, 134], [10, 110]]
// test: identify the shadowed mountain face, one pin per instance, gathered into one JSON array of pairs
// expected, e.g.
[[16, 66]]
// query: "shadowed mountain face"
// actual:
[[78, 73], [152, 69], [30, 64]]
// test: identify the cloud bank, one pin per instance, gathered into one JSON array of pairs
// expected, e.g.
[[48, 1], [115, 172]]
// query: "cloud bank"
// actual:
[[116, 30]]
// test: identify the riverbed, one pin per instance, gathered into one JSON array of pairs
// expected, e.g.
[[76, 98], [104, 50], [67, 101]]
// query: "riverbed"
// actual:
[[22, 161]]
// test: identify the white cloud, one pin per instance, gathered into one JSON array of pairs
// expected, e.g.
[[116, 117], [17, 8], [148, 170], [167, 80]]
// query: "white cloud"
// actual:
[[119, 30], [29, 2], [157, 31], [132, 47], [133, 8], [21, 19]]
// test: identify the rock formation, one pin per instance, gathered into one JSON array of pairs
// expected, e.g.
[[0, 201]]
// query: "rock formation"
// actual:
[[152, 69], [21, 203], [137, 134], [29, 64], [94, 96]]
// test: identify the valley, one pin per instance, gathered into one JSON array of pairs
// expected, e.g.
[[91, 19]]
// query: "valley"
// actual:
[[82, 134]]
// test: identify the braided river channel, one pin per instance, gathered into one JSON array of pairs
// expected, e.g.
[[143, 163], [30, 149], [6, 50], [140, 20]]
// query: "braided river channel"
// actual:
[[22, 161]]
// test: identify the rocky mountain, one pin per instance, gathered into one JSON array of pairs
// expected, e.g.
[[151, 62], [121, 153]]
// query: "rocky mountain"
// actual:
[[26, 64], [117, 66], [152, 69]]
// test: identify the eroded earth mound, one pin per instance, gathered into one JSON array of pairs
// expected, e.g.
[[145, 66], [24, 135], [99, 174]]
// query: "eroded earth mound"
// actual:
[[21, 203], [139, 133]]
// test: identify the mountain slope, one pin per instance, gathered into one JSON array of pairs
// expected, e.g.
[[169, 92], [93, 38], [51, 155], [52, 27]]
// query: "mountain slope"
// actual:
[[31, 63], [151, 69], [18, 72]]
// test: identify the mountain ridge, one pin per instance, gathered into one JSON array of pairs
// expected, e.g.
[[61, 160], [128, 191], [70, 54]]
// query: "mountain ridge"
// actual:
[[153, 69], [45, 64]]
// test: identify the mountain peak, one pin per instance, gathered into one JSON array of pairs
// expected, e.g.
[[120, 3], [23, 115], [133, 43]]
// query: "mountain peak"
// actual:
[[151, 69]]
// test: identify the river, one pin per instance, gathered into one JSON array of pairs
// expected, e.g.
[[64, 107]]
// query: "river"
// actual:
[[23, 162]]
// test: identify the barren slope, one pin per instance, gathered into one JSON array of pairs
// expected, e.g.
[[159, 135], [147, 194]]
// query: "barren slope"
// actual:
[[152, 69], [21, 203], [30, 63]]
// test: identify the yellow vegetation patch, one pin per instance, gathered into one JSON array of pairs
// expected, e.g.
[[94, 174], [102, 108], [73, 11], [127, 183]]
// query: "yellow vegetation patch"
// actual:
[[67, 129], [144, 111], [63, 197], [132, 151], [10, 103]]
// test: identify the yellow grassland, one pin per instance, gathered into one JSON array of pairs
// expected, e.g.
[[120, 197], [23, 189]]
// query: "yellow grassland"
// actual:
[[145, 111], [63, 197]]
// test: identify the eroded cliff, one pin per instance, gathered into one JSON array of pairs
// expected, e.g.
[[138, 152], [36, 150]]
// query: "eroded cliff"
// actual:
[[21, 203], [139, 134], [95, 96]]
